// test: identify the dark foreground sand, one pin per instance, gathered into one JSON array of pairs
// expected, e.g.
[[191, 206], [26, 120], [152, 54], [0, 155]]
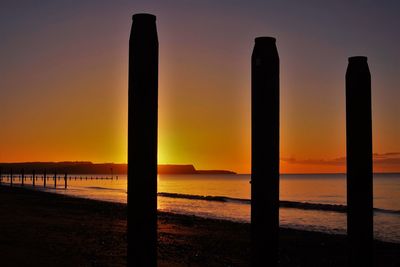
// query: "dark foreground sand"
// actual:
[[43, 229]]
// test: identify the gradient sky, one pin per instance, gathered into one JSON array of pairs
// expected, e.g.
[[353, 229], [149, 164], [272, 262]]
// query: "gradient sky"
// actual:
[[64, 65]]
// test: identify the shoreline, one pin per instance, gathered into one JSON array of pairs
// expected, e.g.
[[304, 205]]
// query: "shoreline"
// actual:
[[46, 229]]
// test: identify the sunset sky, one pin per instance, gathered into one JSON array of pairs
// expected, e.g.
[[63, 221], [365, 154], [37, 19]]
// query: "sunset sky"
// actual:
[[64, 86]]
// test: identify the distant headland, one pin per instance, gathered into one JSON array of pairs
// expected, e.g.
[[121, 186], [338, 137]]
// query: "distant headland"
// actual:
[[87, 167]]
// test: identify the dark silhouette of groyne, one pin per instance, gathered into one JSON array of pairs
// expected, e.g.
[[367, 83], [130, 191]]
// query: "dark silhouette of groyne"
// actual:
[[264, 152], [142, 142], [359, 162]]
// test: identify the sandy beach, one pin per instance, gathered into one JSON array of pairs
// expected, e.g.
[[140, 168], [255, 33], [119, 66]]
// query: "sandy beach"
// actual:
[[45, 229]]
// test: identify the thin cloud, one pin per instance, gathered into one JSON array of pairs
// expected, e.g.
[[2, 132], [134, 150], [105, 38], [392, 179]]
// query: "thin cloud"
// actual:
[[335, 162], [388, 161], [391, 158], [386, 155]]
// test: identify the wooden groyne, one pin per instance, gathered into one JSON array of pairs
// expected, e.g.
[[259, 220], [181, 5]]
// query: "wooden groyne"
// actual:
[[41, 178]]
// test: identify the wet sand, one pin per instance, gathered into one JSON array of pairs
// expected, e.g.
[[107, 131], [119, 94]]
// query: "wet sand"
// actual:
[[44, 229]]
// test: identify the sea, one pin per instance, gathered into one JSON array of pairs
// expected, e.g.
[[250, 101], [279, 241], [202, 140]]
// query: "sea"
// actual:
[[314, 202]]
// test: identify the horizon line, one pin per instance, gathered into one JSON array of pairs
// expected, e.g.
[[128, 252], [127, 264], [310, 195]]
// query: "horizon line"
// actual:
[[182, 164]]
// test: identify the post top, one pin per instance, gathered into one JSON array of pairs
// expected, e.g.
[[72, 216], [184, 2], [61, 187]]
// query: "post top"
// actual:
[[265, 40], [143, 17], [358, 59]]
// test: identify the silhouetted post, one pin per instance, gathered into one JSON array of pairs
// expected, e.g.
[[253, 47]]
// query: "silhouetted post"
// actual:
[[65, 181], [44, 178], [1, 176], [142, 142], [33, 177], [55, 180], [11, 177], [22, 177], [359, 162], [265, 152]]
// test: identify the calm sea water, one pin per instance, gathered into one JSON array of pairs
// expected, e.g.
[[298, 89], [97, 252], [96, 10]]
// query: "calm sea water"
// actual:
[[234, 190]]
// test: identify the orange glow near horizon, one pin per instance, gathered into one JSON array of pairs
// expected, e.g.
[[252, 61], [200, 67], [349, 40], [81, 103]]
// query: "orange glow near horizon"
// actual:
[[64, 83]]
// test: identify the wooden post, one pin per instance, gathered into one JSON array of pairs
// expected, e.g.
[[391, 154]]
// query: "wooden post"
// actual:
[[265, 152], [55, 180], [1, 176], [44, 178], [359, 163], [65, 181], [142, 142], [33, 178], [22, 177], [11, 177]]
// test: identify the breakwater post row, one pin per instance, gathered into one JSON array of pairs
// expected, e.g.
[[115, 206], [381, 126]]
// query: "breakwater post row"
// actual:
[[22, 177], [265, 165], [142, 151]]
